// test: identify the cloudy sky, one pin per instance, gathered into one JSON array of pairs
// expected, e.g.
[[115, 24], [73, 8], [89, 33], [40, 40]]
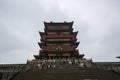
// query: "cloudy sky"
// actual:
[[98, 23]]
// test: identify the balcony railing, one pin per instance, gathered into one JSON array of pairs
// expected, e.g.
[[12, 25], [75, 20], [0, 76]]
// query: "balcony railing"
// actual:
[[59, 36]]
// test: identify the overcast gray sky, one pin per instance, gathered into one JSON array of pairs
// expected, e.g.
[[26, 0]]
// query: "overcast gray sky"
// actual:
[[98, 23]]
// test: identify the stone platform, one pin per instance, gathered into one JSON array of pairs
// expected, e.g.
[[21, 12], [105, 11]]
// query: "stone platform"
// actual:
[[60, 70]]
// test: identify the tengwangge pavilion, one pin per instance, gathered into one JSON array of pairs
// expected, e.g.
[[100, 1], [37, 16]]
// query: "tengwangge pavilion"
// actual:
[[58, 41]]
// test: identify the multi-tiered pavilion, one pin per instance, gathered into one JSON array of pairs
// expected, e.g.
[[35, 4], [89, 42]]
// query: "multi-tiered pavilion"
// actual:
[[58, 41]]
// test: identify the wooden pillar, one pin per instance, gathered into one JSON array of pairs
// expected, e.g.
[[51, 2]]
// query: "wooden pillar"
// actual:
[[69, 57], [49, 57]]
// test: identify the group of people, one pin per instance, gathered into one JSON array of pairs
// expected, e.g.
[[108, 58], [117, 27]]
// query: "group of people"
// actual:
[[57, 64]]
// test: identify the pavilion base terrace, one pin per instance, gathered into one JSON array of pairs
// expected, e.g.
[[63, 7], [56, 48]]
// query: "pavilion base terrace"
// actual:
[[87, 62]]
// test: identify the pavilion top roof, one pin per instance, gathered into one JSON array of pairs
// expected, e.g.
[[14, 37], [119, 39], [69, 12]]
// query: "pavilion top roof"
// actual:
[[58, 25]]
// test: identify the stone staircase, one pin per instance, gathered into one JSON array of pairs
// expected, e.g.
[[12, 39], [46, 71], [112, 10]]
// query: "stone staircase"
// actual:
[[67, 72]]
